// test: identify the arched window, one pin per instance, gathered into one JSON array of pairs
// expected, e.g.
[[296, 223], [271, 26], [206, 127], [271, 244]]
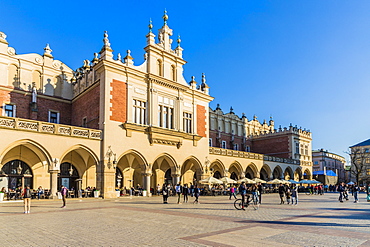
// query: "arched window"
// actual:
[[36, 78], [17, 171], [173, 72], [160, 68], [13, 76]]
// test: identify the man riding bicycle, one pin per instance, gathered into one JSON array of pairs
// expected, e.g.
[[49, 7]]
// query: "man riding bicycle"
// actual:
[[243, 193]]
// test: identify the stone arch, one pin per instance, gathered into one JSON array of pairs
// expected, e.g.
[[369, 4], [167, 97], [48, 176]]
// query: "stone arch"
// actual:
[[217, 166], [265, 172], [34, 155], [164, 169], [82, 163], [288, 173], [235, 170], [131, 164], [191, 170], [277, 173], [298, 174], [251, 171], [307, 174]]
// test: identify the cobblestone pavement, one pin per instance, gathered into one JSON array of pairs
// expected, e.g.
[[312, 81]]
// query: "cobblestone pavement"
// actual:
[[316, 221]]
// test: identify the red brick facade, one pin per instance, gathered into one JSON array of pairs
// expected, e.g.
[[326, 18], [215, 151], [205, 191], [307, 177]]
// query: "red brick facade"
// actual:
[[87, 105], [118, 101], [274, 146], [23, 110], [201, 120]]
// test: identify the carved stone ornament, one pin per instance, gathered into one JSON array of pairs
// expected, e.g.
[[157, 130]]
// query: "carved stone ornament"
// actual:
[[56, 64], [38, 60], [11, 51]]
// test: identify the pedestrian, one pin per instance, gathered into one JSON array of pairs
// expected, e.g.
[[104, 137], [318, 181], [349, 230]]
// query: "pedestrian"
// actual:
[[64, 191], [243, 192], [294, 191], [232, 192], [158, 190], [341, 191], [281, 190], [178, 189], [27, 199], [260, 190], [355, 190], [287, 194], [185, 192], [196, 194], [165, 193]]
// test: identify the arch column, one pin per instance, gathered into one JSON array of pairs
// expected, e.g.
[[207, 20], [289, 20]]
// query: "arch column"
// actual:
[[53, 183], [175, 178], [146, 181]]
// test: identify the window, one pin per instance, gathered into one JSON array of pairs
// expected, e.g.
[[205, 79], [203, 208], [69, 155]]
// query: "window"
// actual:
[[367, 160], [248, 149], [368, 171], [223, 143], [297, 148], [236, 147], [84, 122], [9, 110], [316, 162], [139, 112], [53, 117], [165, 116], [210, 142], [187, 122], [160, 68]]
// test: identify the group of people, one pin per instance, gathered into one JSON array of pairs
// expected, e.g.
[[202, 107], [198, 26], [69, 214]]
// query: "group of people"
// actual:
[[185, 191], [288, 192], [343, 190]]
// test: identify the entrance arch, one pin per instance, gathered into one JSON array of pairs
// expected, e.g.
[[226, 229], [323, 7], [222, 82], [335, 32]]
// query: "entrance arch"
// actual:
[[131, 164], [307, 174], [251, 171], [277, 173], [163, 169], [235, 171], [265, 172], [191, 171], [298, 174], [68, 176], [218, 168], [288, 173], [18, 174]]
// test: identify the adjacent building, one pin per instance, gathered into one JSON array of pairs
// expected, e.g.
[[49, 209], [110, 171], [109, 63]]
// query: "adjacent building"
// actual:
[[324, 161], [112, 123]]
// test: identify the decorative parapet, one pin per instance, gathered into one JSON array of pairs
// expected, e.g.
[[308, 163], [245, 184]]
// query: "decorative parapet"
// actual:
[[248, 155], [48, 128]]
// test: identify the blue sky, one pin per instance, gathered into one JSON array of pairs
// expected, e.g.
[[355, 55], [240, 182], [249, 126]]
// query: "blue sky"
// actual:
[[303, 62]]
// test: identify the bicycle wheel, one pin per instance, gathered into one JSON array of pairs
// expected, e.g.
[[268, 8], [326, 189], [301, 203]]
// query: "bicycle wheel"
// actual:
[[255, 204], [238, 204]]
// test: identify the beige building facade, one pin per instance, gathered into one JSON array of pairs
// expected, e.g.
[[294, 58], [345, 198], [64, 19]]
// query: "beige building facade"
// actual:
[[113, 124]]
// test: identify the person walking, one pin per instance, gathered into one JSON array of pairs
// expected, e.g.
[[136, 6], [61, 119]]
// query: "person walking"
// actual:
[[185, 192], [260, 189], [232, 192], [287, 194], [165, 192], [341, 191], [26, 194], [196, 194], [294, 191], [356, 189], [64, 191], [178, 189], [281, 190], [243, 192]]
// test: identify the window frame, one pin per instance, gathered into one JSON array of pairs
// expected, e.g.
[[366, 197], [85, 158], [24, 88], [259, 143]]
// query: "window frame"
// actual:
[[57, 116]]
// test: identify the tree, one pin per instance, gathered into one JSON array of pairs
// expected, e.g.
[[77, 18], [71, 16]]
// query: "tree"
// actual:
[[359, 158]]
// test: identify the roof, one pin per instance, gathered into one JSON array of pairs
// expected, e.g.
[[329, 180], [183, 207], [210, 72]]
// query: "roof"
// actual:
[[328, 173], [361, 144]]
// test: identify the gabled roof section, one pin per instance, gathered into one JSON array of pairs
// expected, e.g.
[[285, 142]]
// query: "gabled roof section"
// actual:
[[362, 144]]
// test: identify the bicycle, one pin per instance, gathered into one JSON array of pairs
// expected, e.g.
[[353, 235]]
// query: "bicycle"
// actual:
[[250, 201]]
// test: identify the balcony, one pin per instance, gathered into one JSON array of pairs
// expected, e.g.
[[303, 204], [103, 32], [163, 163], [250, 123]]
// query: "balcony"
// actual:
[[48, 128]]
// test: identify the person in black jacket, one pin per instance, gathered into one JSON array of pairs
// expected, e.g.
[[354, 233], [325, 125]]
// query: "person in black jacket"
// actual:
[[341, 187], [185, 192], [281, 193]]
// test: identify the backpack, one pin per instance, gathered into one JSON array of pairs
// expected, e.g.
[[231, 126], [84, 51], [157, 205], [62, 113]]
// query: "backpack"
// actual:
[[27, 193]]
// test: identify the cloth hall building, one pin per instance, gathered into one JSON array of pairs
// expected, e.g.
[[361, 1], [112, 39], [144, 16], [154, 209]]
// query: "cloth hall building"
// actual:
[[112, 124]]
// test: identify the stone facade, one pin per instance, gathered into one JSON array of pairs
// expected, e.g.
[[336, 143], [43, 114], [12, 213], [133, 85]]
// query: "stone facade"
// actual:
[[112, 123]]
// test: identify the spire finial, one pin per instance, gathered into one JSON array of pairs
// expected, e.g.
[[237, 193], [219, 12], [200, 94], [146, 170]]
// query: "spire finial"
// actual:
[[231, 110], [106, 40], [203, 78], [165, 16], [178, 41], [150, 25], [47, 50]]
